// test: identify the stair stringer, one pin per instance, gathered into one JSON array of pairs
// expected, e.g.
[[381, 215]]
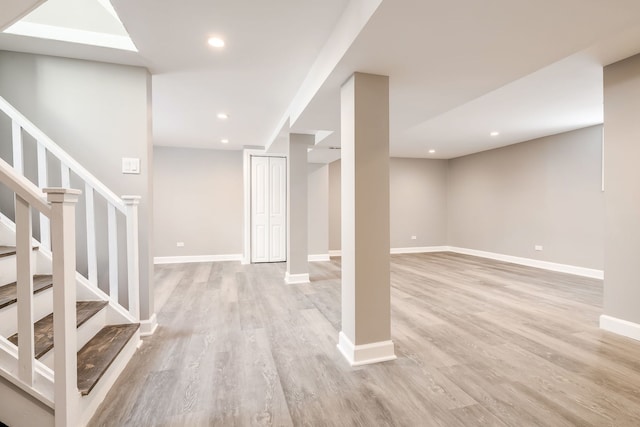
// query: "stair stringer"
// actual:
[[27, 406]]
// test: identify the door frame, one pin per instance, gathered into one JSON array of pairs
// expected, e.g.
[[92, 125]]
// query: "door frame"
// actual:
[[247, 153]]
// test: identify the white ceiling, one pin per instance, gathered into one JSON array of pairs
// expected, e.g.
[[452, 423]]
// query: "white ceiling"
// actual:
[[458, 69]]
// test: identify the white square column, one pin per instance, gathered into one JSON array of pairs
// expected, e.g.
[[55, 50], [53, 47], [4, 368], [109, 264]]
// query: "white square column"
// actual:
[[366, 287], [297, 206]]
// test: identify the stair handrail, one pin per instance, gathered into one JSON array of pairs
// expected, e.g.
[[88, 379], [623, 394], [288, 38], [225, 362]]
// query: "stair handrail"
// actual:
[[25, 188], [59, 207], [62, 155]]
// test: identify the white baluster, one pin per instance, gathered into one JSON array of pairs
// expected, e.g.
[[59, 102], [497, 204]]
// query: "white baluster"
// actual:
[[133, 259], [18, 160], [43, 182], [24, 291], [65, 176], [63, 248], [112, 223], [92, 257]]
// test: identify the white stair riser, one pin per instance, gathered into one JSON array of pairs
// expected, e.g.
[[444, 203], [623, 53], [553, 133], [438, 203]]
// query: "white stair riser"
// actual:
[[86, 331], [42, 306]]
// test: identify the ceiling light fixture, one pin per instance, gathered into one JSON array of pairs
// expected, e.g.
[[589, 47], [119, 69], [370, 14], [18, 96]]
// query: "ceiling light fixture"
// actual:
[[223, 116], [432, 151], [215, 42], [224, 141], [494, 133]]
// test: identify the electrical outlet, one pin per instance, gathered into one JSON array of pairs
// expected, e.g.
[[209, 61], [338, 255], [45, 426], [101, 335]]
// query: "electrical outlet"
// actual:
[[538, 247], [180, 244], [414, 237]]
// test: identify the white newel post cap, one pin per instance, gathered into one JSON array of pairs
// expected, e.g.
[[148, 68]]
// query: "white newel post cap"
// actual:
[[131, 200], [62, 195]]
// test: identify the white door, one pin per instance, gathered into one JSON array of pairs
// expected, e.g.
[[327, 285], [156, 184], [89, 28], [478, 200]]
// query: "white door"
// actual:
[[268, 209]]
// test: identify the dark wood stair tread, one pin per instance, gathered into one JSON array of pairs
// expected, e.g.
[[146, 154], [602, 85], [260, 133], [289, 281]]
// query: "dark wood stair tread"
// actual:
[[10, 250], [8, 293], [7, 251], [99, 353], [43, 328]]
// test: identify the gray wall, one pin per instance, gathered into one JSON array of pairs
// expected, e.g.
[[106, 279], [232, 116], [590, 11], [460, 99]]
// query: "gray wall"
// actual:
[[335, 206], [211, 181], [418, 202], [98, 113], [622, 189], [199, 199], [543, 192], [418, 198], [318, 210]]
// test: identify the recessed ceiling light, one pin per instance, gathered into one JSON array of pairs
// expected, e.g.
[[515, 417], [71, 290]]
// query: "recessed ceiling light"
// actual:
[[215, 42], [432, 151], [494, 133], [224, 141], [223, 116]]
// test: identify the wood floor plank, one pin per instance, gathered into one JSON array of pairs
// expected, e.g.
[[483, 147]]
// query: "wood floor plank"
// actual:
[[479, 342]]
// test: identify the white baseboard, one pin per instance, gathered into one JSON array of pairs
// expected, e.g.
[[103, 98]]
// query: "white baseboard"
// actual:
[[196, 258], [296, 279], [419, 250], [148, 327], [365, 354], [545, 265], [319, 257], [620, 327], [395, 251]]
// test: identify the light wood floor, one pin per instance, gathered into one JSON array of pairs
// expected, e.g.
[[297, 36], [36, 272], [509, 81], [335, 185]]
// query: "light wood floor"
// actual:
[[479, 343]]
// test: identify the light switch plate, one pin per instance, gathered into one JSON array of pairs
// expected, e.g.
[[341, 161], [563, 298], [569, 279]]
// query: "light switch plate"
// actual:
[[130, 165]]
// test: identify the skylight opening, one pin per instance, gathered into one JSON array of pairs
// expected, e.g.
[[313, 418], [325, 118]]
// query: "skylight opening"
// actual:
[[88, 22]]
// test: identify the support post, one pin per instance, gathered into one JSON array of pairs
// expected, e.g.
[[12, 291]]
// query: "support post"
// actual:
[[63, 248], [366, 290], [297, 206], [24, 291], [133, 254]]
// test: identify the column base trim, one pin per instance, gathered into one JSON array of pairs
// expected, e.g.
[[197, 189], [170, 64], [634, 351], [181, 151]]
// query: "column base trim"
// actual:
[[148, 327], [620, 327], [296, 279], [365, 354]]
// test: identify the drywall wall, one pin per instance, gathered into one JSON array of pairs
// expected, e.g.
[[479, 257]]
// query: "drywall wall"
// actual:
[[335, 206], [198, 202], [418, 202], [622, 191], [98, 113], [318, 211], [418, 197], [543, 192]]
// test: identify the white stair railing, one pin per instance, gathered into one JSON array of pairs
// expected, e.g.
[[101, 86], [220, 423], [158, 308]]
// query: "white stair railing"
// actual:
[[126, 206], [59, 209]]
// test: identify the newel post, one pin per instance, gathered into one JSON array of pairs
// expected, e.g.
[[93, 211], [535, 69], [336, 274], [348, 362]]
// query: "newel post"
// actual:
[[133, 258], [63, 247]]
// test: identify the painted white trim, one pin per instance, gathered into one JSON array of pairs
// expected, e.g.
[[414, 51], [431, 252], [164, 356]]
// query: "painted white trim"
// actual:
[[365, 354], [620, 327], [296, 279], [196, 258], [545, 265], [335, 252], [148, 327], [319, 257], [419, 250]]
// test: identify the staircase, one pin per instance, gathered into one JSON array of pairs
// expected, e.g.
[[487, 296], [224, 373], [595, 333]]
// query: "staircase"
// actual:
[[66, 333]]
